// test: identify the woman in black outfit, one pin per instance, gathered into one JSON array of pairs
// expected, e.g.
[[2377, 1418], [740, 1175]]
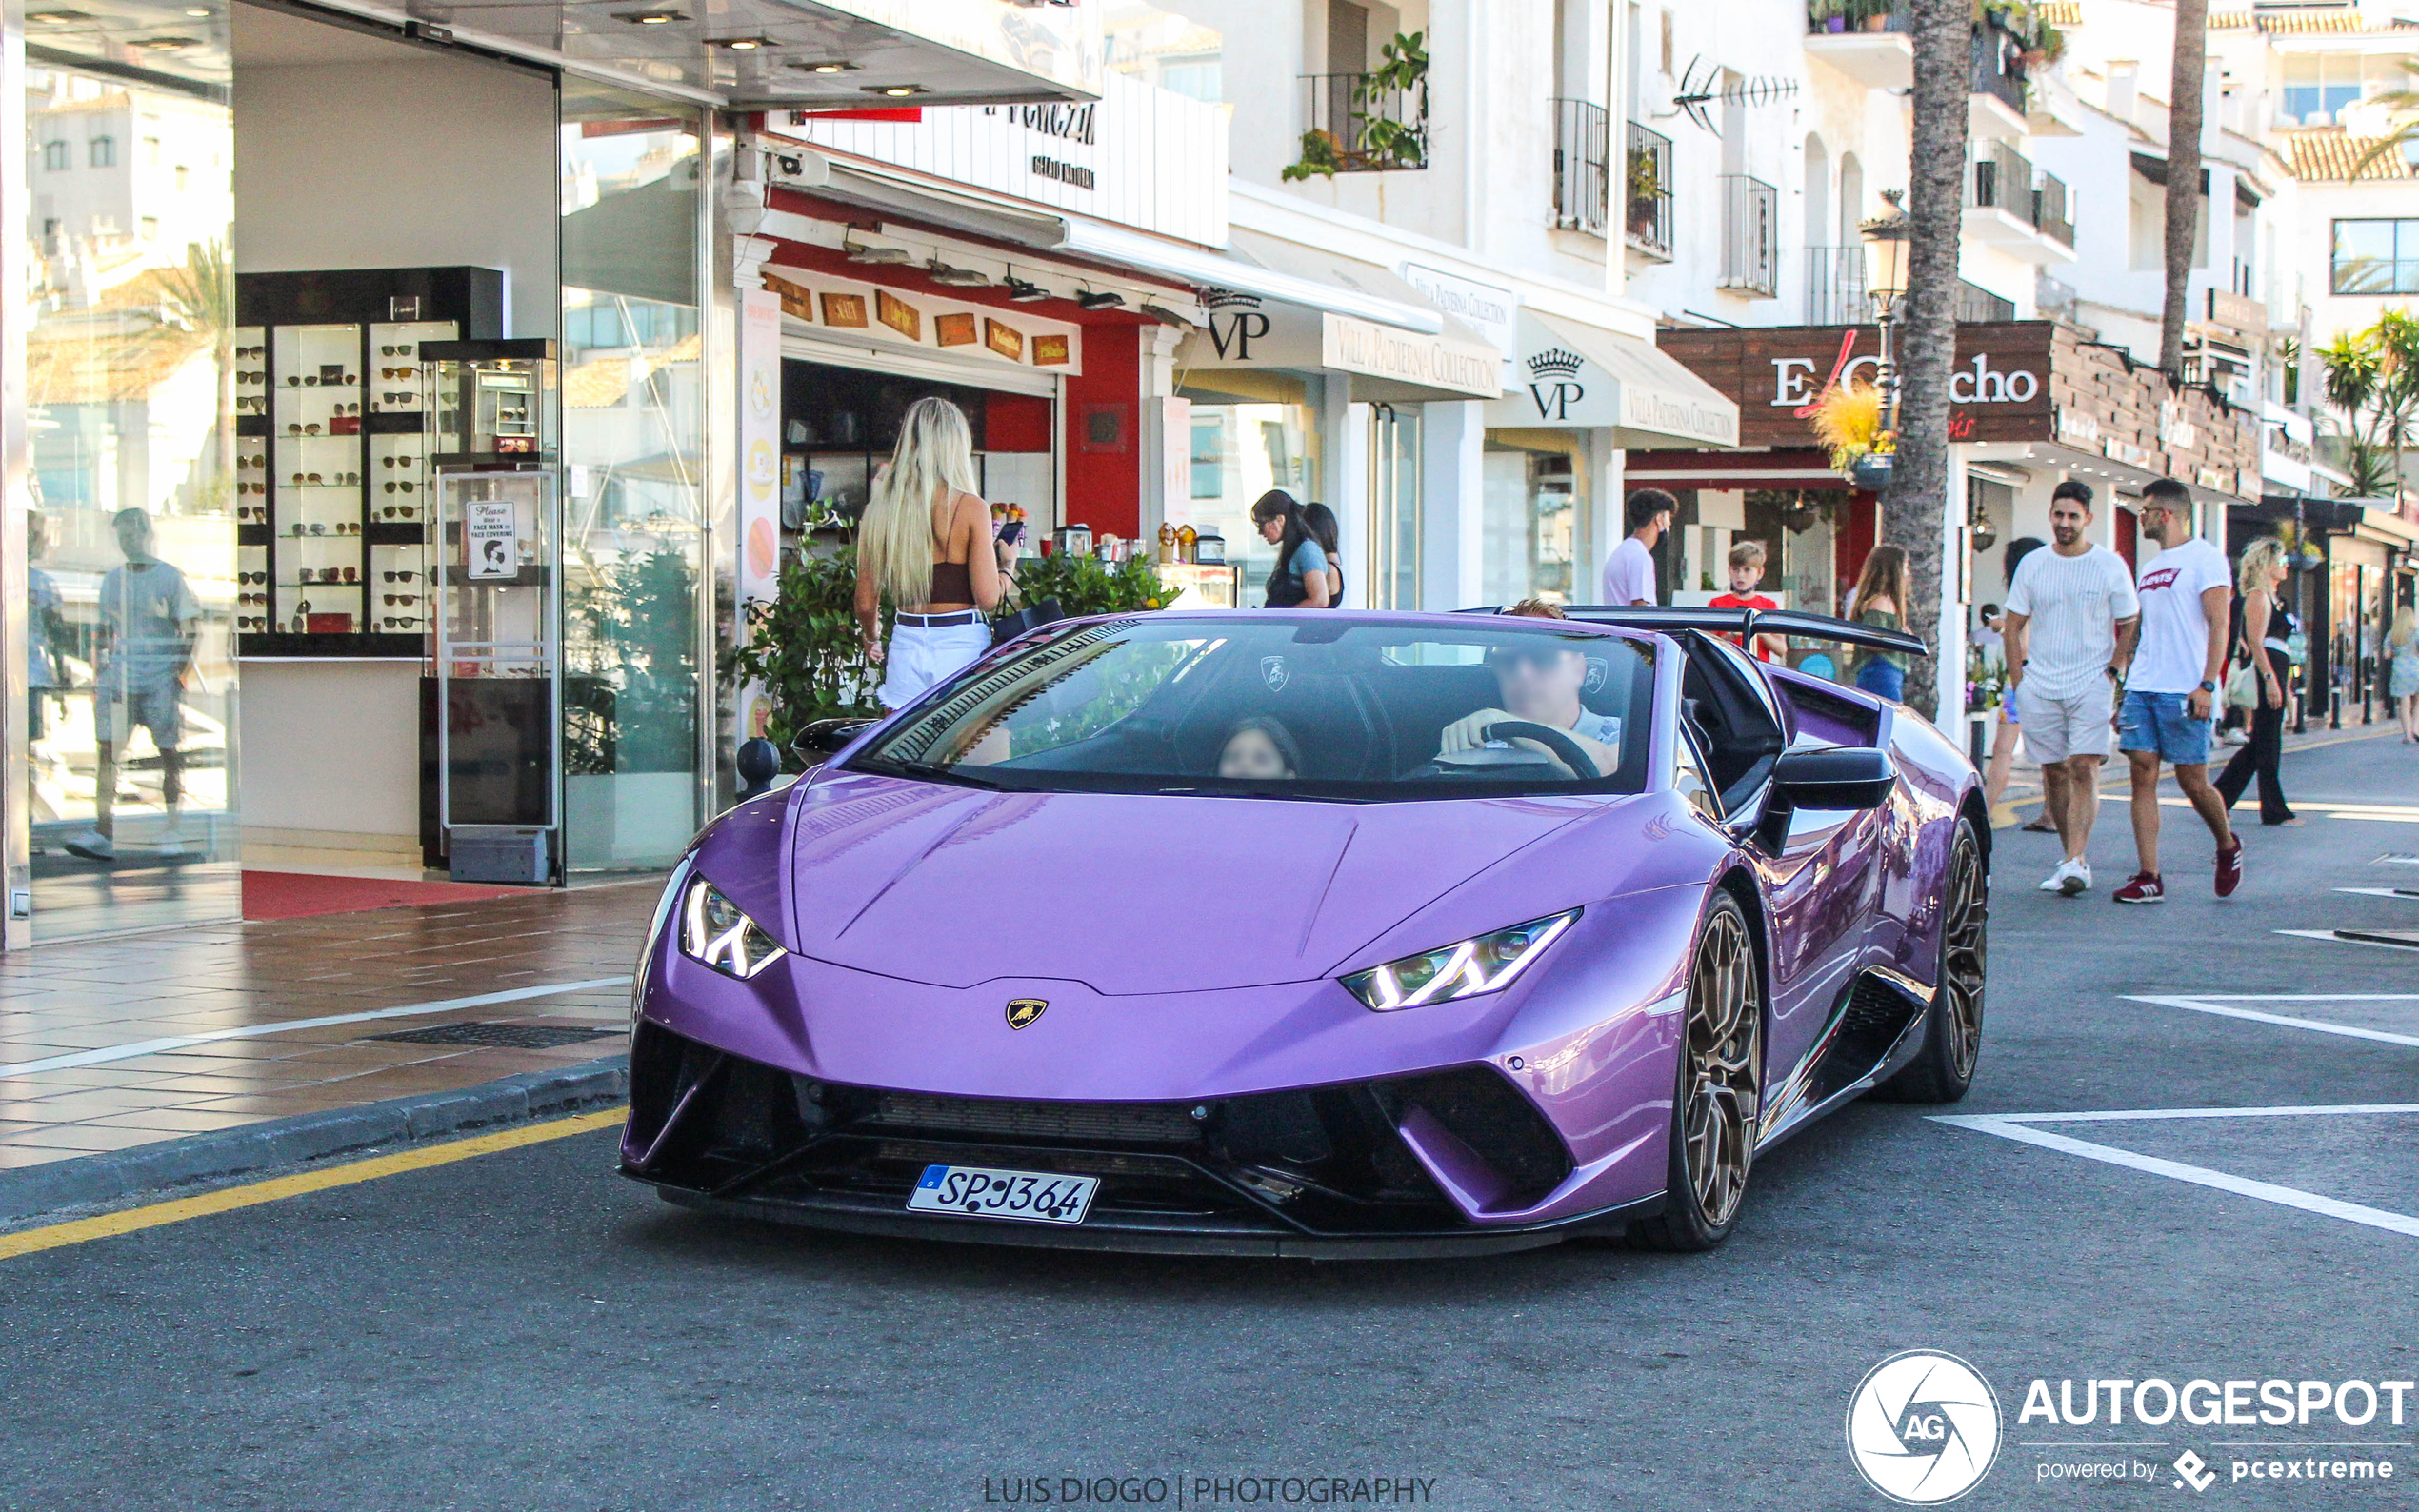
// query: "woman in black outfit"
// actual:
[[2262, 628]]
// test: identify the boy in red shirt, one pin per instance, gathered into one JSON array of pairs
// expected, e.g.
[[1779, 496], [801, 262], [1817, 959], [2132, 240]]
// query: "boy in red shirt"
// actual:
[[1746, 571]]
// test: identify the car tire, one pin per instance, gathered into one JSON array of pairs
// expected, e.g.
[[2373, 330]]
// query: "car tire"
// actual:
[[1717, 1089], [1944, 1068]]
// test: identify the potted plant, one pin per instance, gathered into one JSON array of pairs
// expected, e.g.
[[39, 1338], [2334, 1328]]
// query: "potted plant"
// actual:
[[1645, 192]]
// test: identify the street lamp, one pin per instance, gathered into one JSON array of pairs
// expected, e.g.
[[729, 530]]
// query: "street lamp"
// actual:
[[1885, 238]]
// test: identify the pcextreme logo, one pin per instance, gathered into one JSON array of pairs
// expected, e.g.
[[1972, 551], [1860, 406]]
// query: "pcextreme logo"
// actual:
[[1923, 1428]]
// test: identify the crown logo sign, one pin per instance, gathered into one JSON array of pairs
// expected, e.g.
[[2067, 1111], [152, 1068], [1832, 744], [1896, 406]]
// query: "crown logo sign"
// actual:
[[1554, 360], [1229, 298]]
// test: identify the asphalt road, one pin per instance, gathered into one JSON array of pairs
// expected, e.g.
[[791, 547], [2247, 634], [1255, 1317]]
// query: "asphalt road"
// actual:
[[528, 1330]]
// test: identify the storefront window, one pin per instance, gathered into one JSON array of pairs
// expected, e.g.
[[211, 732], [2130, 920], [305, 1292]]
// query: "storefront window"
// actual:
[[633, 506], [126, 490], [1394, 490], [1239, 452], [1529, 521]]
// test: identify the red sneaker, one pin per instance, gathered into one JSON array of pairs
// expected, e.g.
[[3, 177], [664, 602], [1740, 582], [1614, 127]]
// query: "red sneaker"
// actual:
[[2144, 887], [2229, 869]]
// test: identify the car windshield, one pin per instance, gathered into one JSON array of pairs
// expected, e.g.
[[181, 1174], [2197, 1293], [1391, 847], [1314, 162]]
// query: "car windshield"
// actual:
[[1337, 707]]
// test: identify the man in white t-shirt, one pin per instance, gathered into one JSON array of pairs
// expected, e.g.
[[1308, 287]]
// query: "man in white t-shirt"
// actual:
[[1629, 571], [2171, 688], [2070, 618]]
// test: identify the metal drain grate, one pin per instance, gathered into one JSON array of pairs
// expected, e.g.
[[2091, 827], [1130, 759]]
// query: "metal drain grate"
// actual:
[[499, 1036]]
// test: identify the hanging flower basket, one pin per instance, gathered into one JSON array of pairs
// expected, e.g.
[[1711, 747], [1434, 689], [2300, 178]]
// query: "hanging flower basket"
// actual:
[[1872, 471]]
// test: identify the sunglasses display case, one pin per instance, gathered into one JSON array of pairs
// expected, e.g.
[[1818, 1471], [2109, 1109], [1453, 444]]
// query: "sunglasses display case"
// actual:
[[337, 412]]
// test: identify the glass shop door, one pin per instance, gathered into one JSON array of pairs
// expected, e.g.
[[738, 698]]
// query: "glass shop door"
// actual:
[[498, 666]]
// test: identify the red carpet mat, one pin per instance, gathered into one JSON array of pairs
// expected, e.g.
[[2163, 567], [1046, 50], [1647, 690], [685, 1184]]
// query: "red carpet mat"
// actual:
[[295, 894]]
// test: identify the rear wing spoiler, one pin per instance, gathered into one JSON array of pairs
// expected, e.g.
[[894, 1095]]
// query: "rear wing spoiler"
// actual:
[[1745, 624]]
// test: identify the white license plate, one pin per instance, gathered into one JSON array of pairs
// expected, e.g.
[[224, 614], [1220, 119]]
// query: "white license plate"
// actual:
[[1032, 1197]]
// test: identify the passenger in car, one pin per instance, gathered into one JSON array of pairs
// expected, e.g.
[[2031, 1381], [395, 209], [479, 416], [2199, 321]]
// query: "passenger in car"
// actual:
[[1259, 749], [1540, 685]]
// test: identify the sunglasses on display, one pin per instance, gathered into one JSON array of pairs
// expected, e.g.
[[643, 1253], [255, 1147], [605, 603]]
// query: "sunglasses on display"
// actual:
[[244, 352], [404, 351], [405, 623], [245, 512], [398, 488], [251, 598], [398, 511], [251, 577], [400, 461], [401, 399], [398, 372], [392, 599], [253, 402], [405, 576], [252, 377], [311, 429]]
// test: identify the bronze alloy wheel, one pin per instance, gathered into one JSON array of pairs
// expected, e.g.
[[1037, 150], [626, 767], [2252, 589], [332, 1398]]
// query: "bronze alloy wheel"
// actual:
[[1725, 1059], [1965, 925]]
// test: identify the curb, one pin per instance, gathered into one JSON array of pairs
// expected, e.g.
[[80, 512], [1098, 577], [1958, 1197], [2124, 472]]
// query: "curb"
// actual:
[[309, 1137]]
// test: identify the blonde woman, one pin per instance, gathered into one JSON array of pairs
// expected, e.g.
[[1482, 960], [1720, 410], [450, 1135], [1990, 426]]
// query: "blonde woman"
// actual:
[[2402, 645], [925, 545], [2262, 636]]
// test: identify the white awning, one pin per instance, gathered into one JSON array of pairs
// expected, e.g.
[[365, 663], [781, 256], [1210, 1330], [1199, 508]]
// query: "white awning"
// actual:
[[1571, 374]]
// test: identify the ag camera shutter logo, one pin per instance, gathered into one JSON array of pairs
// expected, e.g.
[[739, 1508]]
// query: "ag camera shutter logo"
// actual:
[[1923, 1428]]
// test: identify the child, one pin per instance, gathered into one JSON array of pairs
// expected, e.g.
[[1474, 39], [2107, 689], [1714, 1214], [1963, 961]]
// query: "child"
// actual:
[[1746, 571], [1259, 751]]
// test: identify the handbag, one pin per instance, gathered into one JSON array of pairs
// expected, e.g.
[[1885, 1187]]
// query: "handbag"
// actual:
[[1015, 622], [2242, 687]]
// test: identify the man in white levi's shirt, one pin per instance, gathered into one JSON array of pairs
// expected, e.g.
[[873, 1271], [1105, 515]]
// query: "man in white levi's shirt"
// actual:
[[2170, 686], [2070, 618]]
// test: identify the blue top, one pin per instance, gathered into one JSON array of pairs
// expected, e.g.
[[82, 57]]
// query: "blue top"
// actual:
[[1307, 558]]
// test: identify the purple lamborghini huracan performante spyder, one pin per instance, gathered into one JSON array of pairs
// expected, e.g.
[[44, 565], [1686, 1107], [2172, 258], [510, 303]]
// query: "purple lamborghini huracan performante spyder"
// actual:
[[1317, 933]]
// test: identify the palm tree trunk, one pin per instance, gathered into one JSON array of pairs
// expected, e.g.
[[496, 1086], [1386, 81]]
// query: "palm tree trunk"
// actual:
[[2183, 174], [1915, 512]]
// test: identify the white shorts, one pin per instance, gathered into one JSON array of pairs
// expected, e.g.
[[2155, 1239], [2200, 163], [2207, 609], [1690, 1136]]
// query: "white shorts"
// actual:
[[2055, 728], [922, 655]]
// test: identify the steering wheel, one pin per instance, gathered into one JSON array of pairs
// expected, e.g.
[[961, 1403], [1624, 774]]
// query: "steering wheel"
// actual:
[[1559, 743]]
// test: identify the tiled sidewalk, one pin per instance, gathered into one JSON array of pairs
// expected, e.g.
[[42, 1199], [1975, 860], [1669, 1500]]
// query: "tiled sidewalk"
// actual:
[[59, 1001]]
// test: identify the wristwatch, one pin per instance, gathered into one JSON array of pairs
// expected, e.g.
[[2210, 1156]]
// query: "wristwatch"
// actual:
[[2207, 687]]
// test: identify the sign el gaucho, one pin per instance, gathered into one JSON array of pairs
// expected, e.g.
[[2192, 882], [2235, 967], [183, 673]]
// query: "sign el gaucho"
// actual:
[[2020, 381]]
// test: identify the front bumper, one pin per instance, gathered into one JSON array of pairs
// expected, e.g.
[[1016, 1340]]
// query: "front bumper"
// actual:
[[1324, 1170]]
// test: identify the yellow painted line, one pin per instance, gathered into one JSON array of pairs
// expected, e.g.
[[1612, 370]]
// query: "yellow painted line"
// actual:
[[30, 1240]]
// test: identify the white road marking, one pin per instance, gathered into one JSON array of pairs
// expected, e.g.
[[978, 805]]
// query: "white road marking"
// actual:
[[2115, 1115], [140, 1048], [2383, 892], [2383, 813], [2316, 1026], [2006, 1126], [2340, 938]]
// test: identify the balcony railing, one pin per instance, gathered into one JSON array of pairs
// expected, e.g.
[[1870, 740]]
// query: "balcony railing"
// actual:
[[1981, 305], [1835, 286], [1858, 15], [1583, 165], [2049, 213], [1648, 192], [1352, 126], [2000, 178], [1750, 235], [1998, 55]]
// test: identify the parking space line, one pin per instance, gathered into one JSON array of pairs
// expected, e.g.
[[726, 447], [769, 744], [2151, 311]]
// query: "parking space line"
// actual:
[[2130, 1114], [33, 1240], [2315, 1025], [2341, 937], [2006, 1126], [177, 1041]]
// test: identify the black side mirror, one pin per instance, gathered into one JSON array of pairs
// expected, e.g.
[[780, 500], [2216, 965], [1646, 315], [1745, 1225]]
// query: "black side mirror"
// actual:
[[826, 737], [1836, 776]]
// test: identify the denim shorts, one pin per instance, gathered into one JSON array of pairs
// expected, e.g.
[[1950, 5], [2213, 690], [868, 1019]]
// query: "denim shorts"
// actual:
[[2160, 721]]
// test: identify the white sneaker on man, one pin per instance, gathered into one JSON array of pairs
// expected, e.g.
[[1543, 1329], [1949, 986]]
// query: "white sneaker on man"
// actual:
[[2071, 877], [92, 846]]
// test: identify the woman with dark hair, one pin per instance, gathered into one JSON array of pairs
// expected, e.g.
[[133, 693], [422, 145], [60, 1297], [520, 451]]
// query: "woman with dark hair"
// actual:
[[1879, 601], [1300, 578], [1325, 529], [1259, 749], [2003, 740]]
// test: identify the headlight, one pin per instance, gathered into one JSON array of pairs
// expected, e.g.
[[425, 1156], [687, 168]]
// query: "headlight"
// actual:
[[1464, 970], [712, 930]]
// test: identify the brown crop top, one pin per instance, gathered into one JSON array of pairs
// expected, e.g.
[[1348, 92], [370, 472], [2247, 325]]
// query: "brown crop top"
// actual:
[[952, 584]]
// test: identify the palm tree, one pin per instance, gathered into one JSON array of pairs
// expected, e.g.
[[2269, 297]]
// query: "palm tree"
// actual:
[[2372, 379], [199, 297], [1915, 511], [2186, 82]]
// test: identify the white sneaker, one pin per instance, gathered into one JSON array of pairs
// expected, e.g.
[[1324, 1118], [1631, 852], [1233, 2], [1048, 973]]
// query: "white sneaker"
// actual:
[[2078, 879], [170, 846], [2056, 881], [92, 846]]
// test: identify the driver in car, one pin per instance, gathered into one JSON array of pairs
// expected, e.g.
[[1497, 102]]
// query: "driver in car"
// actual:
[[1540, 685]]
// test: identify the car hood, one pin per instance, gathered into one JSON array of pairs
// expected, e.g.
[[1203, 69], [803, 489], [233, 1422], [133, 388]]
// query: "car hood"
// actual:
[[1126, 893]]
